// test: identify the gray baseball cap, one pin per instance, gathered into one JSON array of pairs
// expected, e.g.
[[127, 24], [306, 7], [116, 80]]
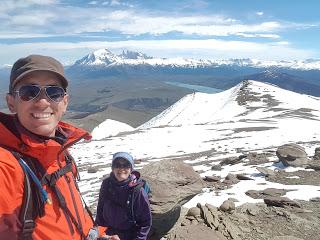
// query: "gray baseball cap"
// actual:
[[32, 63]]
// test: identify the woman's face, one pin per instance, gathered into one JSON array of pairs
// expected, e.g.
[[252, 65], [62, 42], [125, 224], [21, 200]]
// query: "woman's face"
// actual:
[[121, 169]]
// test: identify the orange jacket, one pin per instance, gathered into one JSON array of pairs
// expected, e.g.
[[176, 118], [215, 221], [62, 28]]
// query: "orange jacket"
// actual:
[[53, 225]]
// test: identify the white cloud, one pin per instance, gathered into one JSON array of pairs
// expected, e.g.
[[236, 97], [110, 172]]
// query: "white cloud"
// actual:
[[8, 5], [17, 34], [93, 3], [77, 20], [33, 19], [71, 20], [259, 13], [115, 2], [249, 35], [128, 22]]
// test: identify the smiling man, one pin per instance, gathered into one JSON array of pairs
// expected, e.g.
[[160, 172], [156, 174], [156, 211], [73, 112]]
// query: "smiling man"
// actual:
[[39, 197]]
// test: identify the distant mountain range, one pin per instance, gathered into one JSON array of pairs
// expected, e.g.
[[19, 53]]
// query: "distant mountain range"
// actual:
[[135, 82], [298, 76], [104, 57]]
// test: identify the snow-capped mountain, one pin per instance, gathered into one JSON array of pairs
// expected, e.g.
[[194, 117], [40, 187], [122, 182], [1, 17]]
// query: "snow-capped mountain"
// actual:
[[99, 57], [203, 128], [104, 57]]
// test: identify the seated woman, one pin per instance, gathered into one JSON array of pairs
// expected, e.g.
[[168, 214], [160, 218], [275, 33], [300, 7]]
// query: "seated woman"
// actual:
[[123, 206]]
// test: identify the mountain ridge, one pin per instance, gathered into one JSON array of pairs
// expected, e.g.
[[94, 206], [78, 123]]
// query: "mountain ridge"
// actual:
[[204, 106], [104, 57]]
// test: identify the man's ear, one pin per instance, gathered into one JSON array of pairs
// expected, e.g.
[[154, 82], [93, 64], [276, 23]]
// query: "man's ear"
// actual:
[[11, 102], [65, 102]]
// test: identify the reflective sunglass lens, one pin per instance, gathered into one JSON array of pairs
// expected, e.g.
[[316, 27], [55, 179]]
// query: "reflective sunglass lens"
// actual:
[[55, 93], [27, 93]]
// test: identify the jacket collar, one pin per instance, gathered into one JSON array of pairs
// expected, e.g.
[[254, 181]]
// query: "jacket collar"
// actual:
[[46, 150]]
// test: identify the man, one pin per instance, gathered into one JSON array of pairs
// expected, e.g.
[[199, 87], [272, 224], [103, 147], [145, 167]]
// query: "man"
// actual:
[[33, 152]]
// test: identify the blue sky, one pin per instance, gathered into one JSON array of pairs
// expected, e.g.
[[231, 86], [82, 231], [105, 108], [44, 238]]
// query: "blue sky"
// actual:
[[207, 29]]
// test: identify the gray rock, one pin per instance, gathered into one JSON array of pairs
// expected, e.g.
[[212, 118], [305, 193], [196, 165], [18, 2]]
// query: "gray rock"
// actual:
[[266, 171], [281, 202], [315, 165], [274, 192], [210, 219], [287, 237], [254, 194], [243, 177], [292, 155], [172, 184], [93, 169], [227, 206], [231, 179], [199, 232], [230, 161], [216, 167], [316, 199], [257, 158], [250, 208], [194, 211], [316, 154], [212, 178]]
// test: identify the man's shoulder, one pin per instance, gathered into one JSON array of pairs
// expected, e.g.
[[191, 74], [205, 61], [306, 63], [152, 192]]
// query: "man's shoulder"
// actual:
[[6, 157]]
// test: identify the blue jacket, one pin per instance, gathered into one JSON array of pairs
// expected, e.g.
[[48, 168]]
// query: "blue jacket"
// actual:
[[113, 210]]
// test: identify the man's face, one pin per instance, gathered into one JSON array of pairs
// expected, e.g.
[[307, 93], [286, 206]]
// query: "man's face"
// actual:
[[40, 115]]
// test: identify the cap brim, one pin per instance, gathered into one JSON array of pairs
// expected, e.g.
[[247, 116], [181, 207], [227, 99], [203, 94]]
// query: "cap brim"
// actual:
[[64, 81]]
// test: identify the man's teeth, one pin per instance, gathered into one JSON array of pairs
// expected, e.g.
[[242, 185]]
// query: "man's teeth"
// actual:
[[41, 115]]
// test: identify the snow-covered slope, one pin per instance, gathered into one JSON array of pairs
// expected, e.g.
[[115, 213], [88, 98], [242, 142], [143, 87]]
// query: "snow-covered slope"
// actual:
[[109, 128], [249, 100], [203, 128], [104, 57]]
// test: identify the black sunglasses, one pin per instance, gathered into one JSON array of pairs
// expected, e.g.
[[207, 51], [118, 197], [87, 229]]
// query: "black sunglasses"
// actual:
[[118, 164], [29, 92]]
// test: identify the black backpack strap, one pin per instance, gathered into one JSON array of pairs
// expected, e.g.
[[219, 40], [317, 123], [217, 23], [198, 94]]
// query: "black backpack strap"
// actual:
[[26, 215], [50, 180], [32, 205], [77, 178]]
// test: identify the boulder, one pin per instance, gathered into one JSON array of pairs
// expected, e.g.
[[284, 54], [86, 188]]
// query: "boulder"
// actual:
[[316, 154], [281, 202], [199, 232], [212, 178], [292, 155], [227, 206], [231, 179], [172, 183], [216, 167], [92, 169], [287, 237], [266, 171]]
